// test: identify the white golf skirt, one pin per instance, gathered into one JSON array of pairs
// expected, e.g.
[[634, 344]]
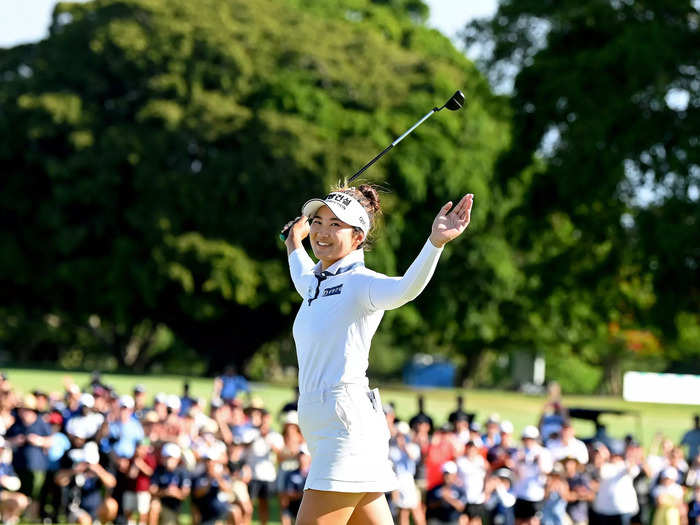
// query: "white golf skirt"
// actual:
[[348, 437]]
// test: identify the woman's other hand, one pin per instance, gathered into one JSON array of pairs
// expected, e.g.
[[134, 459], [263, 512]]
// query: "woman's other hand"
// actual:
[[450, 223]]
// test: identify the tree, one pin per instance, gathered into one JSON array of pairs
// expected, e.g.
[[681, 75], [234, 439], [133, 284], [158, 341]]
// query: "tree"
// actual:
[[605, 156], [153, 148]]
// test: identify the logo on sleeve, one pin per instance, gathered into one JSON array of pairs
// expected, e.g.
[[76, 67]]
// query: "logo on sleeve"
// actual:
[[334, 290]]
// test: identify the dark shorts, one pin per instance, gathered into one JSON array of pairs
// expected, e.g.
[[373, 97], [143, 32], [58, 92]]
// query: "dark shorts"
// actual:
[[476, 510], [260, 489], [292, 509], [525, 509]]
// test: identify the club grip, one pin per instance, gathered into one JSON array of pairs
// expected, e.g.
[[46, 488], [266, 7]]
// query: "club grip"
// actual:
[[285, 230]]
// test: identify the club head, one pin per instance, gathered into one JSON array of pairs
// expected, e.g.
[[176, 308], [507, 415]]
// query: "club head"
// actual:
[[456, 101]]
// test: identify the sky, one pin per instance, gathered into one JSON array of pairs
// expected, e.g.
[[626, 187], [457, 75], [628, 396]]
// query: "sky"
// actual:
[[23, 21]]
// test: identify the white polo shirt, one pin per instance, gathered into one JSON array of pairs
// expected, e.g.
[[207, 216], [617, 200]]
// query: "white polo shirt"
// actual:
[[341, 311]]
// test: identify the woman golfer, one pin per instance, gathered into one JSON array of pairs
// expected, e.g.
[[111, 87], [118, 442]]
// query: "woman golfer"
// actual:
[[343, 303]]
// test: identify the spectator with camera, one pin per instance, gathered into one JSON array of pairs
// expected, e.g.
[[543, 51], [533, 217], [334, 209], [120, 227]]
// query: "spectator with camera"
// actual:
[[86, 480], [170, 486]]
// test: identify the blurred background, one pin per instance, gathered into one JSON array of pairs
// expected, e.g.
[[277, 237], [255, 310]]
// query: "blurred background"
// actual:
[[152, 149]]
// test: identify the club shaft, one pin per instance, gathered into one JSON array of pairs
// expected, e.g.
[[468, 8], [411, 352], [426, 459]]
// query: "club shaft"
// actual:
[[396, 141]]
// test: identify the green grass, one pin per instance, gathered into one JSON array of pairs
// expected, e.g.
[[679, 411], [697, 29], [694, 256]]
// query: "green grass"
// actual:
[[648, 418]]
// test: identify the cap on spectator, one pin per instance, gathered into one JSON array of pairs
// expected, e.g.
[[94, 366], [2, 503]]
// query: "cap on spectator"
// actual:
[[29, 402], [449, 467], [504, 473], [139, 389], [617, 448], [461, 416], [216, 402], [669, 473], [387, 409], [474, 427], [402, 427], [494, 418], [54, 418], [173, 402], [87, 400], [291, 418], [507, 427], [256, 402], [171, 450], [530, 432], [73, 389], [161, 397], [126, 401], [39, 393]]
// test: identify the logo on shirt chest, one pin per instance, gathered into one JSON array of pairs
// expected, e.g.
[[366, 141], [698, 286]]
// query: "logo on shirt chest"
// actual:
[[334, 290]]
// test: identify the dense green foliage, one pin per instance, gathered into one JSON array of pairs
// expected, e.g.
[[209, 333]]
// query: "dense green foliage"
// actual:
[[605, 160], [152, 149]]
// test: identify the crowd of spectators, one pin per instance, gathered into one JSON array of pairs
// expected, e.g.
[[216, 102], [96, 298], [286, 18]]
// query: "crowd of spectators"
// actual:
[[90, 454]]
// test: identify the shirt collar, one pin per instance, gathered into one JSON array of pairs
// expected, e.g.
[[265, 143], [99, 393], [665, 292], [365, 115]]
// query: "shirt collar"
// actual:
[[355, 256]]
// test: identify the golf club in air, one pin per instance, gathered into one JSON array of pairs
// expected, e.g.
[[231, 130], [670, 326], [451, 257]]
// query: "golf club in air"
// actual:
[[455, 102]]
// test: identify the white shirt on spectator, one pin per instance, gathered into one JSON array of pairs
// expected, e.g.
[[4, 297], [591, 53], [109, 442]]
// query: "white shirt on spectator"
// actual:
[[616, 493], [575, 448], [472, 471], [259, 456], [531, 469]]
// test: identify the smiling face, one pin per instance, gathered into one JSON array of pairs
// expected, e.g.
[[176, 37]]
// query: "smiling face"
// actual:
[[331, 238]]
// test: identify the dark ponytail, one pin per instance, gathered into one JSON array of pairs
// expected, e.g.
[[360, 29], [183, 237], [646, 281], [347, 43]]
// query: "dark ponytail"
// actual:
[[368, 196]]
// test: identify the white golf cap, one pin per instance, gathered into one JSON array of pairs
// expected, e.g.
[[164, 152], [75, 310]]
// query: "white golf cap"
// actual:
[[346, 207], [507, 427], [450, 467], [126, 401], [171, 450], [530, 432], [87, 400]]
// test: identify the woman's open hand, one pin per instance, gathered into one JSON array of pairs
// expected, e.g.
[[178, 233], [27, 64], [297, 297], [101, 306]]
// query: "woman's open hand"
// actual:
[[450, 223]]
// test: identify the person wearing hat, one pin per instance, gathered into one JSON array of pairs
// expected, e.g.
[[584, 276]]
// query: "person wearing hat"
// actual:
[[616, 500], [212, 492], [568, 445], [85, 480], [668, 498], [472, 469], [499, 498], [445, 503], [503, 454], [405, 456], [139, 394], [292, 489], [30, 437], [170, 486], [581, 492], [12, 503], [532, 463], [50, 493], [492, 436], [120, 434], [261, 457], [343, 303], [137, 496]]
